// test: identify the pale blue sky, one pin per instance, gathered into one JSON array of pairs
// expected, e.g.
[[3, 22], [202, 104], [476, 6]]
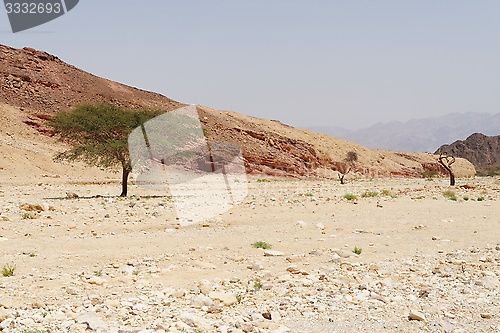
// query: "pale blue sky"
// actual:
[[344, 63]]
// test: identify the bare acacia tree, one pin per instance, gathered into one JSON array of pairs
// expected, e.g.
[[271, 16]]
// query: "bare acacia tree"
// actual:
[[446, 161], [347, 166]]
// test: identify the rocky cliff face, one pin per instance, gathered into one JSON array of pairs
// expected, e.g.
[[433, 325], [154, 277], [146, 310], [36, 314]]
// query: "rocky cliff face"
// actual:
[[39, 85], [481, 150]]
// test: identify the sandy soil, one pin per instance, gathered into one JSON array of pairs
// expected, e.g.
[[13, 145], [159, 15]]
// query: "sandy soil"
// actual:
[[81, 254]]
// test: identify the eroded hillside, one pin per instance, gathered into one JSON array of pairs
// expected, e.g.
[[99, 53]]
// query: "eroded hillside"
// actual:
[[34, 85]]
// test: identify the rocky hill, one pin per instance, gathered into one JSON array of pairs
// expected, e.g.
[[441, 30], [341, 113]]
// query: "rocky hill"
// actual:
[[481, 150], [35, 85]]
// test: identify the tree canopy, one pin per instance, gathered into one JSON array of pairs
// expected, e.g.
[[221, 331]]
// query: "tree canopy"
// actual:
[[347, 165], [98, 135]]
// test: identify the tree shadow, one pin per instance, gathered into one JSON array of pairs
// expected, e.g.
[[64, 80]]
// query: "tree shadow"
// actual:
[[109, 196]]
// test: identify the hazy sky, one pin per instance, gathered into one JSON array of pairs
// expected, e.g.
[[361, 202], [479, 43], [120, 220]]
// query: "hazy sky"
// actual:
[[343, 63]]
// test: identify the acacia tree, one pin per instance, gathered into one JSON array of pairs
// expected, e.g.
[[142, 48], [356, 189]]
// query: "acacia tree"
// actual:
[[446, 161], [347, 166], [98, 135]]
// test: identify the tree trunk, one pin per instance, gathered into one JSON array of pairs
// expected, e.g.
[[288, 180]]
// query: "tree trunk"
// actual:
[[448, 168], [125, 174], [452, 178], [342, 175]]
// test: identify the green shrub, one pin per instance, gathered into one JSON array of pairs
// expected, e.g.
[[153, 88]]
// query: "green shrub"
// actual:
[[357, 250], [429, 174], [350, 196], [480, 199], [8, 270], [257, 285], [388, 193], [450, 195], [262, 245], [369, 194]]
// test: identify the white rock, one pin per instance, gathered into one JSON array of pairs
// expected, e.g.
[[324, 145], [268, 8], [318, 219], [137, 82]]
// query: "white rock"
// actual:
[[342, 253], [226, 298], [193, 320], [205, 287], [416, 315], [4, 314], [6, 323], [202, 300], [301, 224], [282, 329], [28, 322], [204, 265], [273, 253], [446, 326], [336, 257], [275, 316], [92, 320], [257, 266], [306, 282], [179, 293], [97, 280]]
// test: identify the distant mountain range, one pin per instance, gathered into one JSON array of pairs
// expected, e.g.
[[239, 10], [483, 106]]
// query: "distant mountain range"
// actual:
[[419, 135]]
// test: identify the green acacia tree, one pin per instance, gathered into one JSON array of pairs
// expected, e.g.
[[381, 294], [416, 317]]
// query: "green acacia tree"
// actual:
[[98, 135]]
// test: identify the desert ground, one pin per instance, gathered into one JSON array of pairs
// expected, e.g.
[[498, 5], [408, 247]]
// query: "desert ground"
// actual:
[[429, 261]]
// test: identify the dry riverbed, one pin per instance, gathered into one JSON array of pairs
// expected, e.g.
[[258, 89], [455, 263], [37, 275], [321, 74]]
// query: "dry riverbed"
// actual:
[[429, 260]]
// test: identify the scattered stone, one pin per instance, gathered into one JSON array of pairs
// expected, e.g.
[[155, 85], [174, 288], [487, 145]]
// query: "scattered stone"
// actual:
[[416, 315], [273, 253], [282, 329], [193, 320], [71, 195], [256, 267], [320, 226], [446, 326], [4, 314], [97, 280], [92, 320], [205, 287], [201, 300], [32, 207], [301, 224], [6, 323], [226, 298], [342, 253], [204, 265]]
